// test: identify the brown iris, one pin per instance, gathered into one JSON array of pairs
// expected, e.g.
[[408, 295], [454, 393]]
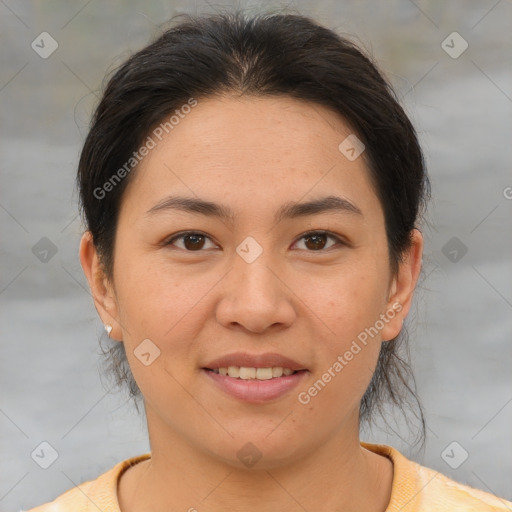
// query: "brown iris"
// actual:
[[318, 241], [196, 241]]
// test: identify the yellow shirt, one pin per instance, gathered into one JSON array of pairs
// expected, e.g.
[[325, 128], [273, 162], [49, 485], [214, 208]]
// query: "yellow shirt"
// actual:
[[415, 489]]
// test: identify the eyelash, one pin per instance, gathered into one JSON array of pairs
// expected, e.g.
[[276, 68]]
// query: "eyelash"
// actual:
[[339, 241]]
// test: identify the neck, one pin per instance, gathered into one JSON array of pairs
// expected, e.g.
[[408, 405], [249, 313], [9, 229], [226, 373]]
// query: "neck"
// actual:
[[340, 474]]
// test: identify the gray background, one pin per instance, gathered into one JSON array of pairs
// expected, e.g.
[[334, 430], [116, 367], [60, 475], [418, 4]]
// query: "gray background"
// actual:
[[461, 327]]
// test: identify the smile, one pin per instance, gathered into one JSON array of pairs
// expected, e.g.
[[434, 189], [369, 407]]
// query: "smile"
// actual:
[[246, 373]]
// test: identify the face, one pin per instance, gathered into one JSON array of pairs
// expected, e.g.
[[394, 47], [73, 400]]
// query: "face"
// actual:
[[271, 284]]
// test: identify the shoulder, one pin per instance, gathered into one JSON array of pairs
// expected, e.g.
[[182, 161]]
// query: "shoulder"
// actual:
[[93, 495], [443, 493], [418, 488]]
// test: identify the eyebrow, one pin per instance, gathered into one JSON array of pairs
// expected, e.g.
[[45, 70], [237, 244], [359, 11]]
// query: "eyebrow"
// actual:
[[289, 210]]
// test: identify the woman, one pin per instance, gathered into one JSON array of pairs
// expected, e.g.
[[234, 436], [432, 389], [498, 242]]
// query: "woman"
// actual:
[[252, 192]]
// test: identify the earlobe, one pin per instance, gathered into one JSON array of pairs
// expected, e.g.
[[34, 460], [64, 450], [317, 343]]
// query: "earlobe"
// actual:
[[403, 286], [101, 289]]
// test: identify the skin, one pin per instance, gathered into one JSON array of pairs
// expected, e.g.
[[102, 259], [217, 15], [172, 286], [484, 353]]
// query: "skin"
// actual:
[[252, 154]]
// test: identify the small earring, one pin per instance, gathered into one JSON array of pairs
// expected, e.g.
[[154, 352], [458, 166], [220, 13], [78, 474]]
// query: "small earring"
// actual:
[[108, 328]]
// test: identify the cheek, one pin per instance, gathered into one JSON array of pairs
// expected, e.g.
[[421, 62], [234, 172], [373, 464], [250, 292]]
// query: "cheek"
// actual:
[[356, 298], [158, 303], [347, 353], [350, 347], [168, 310]]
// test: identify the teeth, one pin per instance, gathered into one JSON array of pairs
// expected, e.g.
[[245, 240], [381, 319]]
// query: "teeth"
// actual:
[[245, 373], [263, 373], [234, 371]]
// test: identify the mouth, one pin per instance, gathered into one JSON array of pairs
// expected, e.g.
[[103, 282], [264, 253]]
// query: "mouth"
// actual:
[[252, 373], [255, 378], [254, 366]]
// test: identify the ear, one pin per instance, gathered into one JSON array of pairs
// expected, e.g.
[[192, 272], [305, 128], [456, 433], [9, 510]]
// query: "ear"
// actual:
[[402, 287], [102, 289]]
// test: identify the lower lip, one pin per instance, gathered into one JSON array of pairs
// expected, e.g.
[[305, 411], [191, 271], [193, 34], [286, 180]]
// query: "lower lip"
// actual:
[[254, 390]]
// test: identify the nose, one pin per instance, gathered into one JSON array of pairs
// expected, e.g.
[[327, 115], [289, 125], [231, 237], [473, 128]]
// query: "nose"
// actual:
[[255, 297]]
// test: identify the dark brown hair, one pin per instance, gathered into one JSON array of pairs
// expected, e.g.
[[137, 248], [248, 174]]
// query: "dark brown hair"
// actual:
[[266, 54]]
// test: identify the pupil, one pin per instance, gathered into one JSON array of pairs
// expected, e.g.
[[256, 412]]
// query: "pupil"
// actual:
[[317, 243], [197, 239]]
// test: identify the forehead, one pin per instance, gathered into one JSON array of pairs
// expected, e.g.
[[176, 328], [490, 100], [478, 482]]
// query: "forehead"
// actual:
[[272, 127], [254, 151]]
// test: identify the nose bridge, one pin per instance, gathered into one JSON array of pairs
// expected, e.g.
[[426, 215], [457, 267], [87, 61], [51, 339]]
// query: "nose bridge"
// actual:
[[255, 297], [252, 266]]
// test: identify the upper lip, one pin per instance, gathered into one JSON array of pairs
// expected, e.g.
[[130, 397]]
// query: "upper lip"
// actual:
[[267, 360]]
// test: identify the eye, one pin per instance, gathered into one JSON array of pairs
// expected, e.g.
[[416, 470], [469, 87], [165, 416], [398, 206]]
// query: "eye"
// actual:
[[316, 240], [193, 241]]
